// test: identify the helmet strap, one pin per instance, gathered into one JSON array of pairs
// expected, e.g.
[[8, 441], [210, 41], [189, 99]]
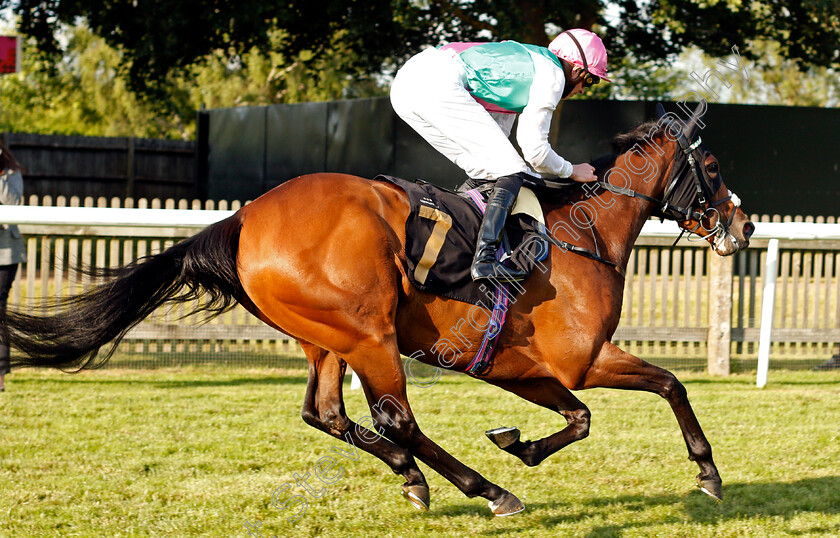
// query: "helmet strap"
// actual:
[[580, 49]]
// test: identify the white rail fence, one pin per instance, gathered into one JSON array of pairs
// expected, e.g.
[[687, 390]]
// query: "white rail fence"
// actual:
[[683, 302]]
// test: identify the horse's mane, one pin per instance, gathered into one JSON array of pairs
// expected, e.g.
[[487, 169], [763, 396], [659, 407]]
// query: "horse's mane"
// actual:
[[624, 142], [641, 134]]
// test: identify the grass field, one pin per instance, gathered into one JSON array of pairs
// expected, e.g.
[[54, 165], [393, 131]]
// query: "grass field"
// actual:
[[199, 452]]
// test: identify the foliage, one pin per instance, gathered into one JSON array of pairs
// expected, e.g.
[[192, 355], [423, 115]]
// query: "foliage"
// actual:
[[268, 76], [807, 32], [199, 452], [635, 79], [87, 92], [774, 81], [159, 37], [84, 93], [156, 63]]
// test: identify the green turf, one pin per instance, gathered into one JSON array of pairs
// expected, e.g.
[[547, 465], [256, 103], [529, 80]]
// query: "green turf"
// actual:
[[199, 452]]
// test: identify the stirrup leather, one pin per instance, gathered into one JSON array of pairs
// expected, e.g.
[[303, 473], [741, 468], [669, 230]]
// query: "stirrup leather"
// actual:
[[485, 263]]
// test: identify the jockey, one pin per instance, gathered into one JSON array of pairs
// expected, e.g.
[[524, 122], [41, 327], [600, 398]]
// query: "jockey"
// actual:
[[463, 98]]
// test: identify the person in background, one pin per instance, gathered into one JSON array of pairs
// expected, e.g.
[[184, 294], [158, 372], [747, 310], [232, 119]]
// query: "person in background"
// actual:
[[463, 99], [12, 248]]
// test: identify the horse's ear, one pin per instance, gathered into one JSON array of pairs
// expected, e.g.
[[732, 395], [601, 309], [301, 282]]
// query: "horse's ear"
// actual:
[[659, 111], [694, 120]]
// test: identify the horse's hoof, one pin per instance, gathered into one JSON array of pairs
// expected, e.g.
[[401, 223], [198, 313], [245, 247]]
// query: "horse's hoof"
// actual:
[[503, 437], [711, 487], [507, 505], [418, 496]]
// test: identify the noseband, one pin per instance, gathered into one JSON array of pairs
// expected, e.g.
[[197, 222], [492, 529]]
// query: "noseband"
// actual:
[[682, 203]]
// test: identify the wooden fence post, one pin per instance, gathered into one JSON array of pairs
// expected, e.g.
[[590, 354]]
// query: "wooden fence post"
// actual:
[[720, 313], [130, 166], [202, 153]]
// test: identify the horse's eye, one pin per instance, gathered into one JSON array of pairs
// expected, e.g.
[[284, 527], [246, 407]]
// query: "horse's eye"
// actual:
[[712, 168]]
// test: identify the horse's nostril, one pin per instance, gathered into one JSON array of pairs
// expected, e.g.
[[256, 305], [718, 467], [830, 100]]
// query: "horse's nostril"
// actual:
[[749, 228]]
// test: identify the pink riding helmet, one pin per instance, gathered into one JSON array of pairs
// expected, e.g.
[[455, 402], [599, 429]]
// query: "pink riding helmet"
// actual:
[[565, 48]]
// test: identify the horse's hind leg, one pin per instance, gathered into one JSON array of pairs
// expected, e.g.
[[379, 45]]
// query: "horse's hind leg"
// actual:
[[385, 389], [323, 408], [617, 369], [547, 392]]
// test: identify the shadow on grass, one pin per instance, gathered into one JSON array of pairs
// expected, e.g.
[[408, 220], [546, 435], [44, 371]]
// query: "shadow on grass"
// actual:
[[750, 383], [771, 385], [279, 380], [768, 499], [743, 501], [176, 383]]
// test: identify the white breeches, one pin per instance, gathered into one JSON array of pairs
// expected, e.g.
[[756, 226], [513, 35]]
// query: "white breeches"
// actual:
[[429, 94]]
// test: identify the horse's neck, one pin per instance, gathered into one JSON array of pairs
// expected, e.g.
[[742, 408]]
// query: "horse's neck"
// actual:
[[618, 219]]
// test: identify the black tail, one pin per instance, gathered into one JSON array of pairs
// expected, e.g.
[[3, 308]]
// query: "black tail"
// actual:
[[70, 338]]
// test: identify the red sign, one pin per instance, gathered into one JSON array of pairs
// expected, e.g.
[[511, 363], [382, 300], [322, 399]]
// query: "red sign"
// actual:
[[9, 54]]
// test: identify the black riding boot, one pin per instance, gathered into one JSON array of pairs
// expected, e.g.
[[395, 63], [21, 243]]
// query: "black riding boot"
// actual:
[[499, 205]]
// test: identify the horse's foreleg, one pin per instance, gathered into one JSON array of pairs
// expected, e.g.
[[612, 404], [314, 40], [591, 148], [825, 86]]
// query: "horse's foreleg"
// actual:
[[551, 394], [323, 408], [386, 393], [615, 368]]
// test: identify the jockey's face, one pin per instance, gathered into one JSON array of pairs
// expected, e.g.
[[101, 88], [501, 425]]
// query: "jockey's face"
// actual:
[[580, 84]]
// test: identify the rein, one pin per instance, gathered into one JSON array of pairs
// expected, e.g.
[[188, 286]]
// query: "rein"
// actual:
[[670, 209]]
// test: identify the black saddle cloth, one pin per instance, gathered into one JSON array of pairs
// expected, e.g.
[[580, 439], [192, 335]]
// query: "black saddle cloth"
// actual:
[[441, 233]]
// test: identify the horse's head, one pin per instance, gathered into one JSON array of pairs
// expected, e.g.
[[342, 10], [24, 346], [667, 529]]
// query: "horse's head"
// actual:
[[695, 194]]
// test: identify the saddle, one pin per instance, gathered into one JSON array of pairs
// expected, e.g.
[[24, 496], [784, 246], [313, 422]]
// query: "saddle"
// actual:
[[441, 233]]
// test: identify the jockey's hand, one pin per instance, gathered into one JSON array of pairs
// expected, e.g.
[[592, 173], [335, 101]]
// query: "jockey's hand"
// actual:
[[584, 173]]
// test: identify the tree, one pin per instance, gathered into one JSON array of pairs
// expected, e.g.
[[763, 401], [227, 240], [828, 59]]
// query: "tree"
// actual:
[[159, 37], [83, 93], [86, 92], [776, 81], [267, 76]]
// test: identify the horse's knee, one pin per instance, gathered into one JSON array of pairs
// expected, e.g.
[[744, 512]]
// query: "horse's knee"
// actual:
[[579, 419], [672, 389]]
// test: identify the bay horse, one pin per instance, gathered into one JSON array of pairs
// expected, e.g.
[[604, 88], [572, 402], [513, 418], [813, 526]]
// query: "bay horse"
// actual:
[[322, 258]]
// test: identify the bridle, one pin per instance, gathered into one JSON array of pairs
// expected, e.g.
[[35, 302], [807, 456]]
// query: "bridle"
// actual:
[[688, 197], [680, 202]]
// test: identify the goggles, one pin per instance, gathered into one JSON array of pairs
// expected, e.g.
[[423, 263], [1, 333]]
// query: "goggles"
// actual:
[[590, 80]]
